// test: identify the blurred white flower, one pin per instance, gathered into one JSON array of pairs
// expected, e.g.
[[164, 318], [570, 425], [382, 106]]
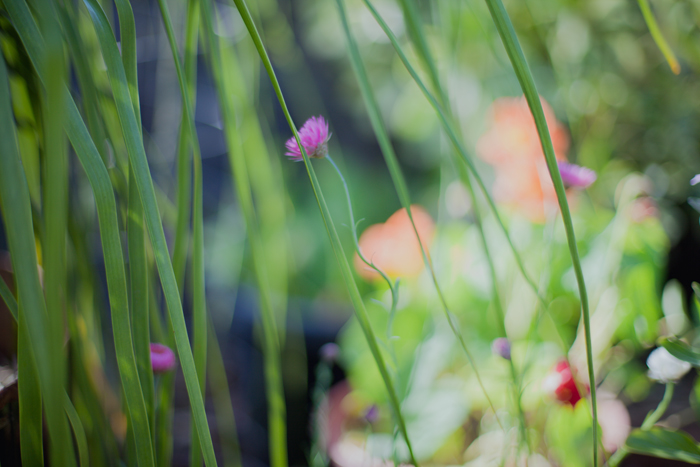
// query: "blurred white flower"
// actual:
[[664, 367]]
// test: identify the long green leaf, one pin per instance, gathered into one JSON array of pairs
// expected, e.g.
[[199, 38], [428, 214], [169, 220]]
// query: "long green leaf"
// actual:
[[136, 236], [665, 444], [346, 271], [271, 344], [9, 299], [78, 431], [527, 83], [30, 419], [681, 350], [55, 215], [225, 419], [199, 311], [17, 215], [137, 156], [109, 231]]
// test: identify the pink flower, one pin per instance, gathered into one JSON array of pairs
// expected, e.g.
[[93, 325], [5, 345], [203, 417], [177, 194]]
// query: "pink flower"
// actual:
[[314, 137], [575, 176], [162, 358]]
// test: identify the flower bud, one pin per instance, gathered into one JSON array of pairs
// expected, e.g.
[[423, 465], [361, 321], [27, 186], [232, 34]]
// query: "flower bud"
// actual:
[[162, 358], [501, 347]]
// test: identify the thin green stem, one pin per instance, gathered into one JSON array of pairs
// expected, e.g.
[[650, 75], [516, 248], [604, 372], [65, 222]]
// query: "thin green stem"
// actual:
[[400, 183], [648, 423], [455, 140], [358, 305], [658, 36], [522, 70], [271, 340]]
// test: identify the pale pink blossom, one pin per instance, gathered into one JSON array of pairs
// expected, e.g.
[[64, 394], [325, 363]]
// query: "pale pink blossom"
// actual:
[[314, 137], [575, 176], [162, 358]]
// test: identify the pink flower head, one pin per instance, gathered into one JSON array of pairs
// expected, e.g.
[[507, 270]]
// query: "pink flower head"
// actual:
[[575, 176], [314, 137], [162, 358], [561, 384]]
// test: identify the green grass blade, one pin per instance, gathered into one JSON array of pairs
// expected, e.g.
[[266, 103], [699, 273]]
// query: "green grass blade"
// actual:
[[138, 262], [55, 215], [221, 396], [264, 170], [17, 214], [9, 299], [137, 156], [358, 304], [199, 310], [78, 432], [522, 71], [658, 36], [30, 419], [398, 178], [271, 345], [109, 231]]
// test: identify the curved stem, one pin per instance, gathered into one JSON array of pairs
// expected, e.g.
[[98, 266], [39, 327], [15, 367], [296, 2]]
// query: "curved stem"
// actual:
[[648, 423], [393, 287]]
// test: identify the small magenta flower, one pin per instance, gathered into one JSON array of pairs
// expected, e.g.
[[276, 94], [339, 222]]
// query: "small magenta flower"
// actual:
[[501, 347], [575, 176], [162, 358], [314, 137], [695, 180]]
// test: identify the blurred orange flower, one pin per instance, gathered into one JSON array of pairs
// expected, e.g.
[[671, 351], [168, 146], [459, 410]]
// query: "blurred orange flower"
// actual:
[[393, 247], [512, 146]]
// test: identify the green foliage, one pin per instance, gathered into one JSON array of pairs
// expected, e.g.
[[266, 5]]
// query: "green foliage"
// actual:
[[666, 444]]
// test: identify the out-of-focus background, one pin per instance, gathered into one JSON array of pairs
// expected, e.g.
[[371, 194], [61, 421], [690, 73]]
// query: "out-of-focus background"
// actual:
[[595, 63], [614, 105]]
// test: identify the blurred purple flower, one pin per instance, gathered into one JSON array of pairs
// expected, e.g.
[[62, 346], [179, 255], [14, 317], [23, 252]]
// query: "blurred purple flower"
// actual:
[[501, 347], [372, 414], [162, 358], [695, 180], [575, 176], [314, 137], [329, 352]]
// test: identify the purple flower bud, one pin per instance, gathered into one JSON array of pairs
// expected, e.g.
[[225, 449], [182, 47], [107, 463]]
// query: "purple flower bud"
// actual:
[[501, 347], [162, 358], [372, 414], [695, 180], [329, 352], [575, 176]]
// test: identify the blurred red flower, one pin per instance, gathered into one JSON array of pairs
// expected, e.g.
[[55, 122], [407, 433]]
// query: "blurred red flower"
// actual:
[[561, 384]]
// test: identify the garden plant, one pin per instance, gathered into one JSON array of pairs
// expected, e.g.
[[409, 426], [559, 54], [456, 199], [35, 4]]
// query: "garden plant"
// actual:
[[498, 196]]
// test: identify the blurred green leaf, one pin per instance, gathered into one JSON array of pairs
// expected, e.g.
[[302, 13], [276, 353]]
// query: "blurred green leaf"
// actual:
[[658, 442], [681, 350]]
